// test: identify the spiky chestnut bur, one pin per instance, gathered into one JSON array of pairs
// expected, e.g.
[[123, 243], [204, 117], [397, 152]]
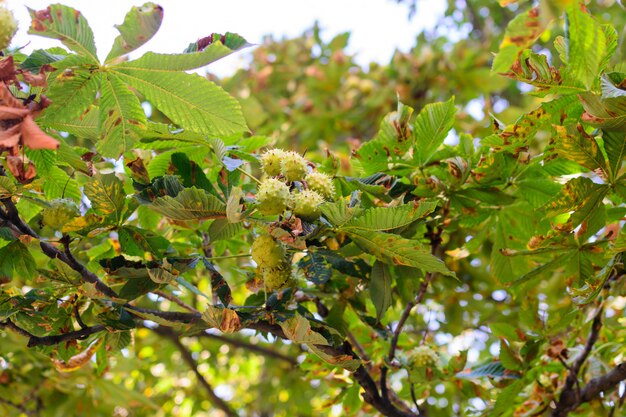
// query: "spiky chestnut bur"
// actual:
[[273, 196], [423, 357], [8, 27], [321, 183], [277, 278], [271, 161], [305, 204], [267, 252], [60, 212], [293, 166]]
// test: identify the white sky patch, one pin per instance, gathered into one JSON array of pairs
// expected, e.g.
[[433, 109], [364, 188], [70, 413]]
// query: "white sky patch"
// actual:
[[378, 28]]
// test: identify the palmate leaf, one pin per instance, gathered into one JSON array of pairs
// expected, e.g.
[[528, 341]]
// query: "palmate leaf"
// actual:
[[66, 24], [122, 119], [388, 218], [430, 128], [396, 250], [190, 204], [140, 25], [186, 61], [189, 100]]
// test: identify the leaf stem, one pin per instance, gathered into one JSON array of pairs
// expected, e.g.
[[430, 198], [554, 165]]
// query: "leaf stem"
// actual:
[[247, 174]]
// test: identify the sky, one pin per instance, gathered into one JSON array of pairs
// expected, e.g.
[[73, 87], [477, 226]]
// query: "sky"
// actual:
[[378, 27]]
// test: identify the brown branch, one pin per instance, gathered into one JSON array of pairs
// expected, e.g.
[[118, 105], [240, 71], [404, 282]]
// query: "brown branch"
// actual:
[[53, 339], [176, 300], [191, 362], [361, 375], [571, 395]]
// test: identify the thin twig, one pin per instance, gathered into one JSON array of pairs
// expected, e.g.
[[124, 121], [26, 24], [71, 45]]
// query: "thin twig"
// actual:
[[265, 351], [572, 395], [191, 362], [176, 300]]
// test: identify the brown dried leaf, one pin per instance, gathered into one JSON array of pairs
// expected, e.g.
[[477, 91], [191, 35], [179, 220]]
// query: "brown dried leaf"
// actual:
[[34, 137], [7, 70], [10, 137], [24, 174]]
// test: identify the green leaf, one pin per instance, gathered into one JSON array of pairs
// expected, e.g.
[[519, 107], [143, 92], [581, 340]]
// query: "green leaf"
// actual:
[[298, 330], [507, 398], [168, 185], [191, 173], [607, 113], [380, 288], [578, 147], [508, 357], [16, 260], [7, 187], [137, 242], [521, 33], [388, 218], [86, 126], [41, 57], [66, 24], [587, 45], [594, 284], [189, 100], [396, 250], [72, 92], [491, 370], [140, 25], [106, 193], [315, 268], [185, 61], [615, 147], [190, 204], [122, 119], [338, 213], [222, 229], [430, 128], [579, 195], [394, 139]]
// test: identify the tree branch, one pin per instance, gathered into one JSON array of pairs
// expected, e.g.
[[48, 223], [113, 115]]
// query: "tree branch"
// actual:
[[571, 395], [12, 216], [191, 362], [53, 339], [435, 244]]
